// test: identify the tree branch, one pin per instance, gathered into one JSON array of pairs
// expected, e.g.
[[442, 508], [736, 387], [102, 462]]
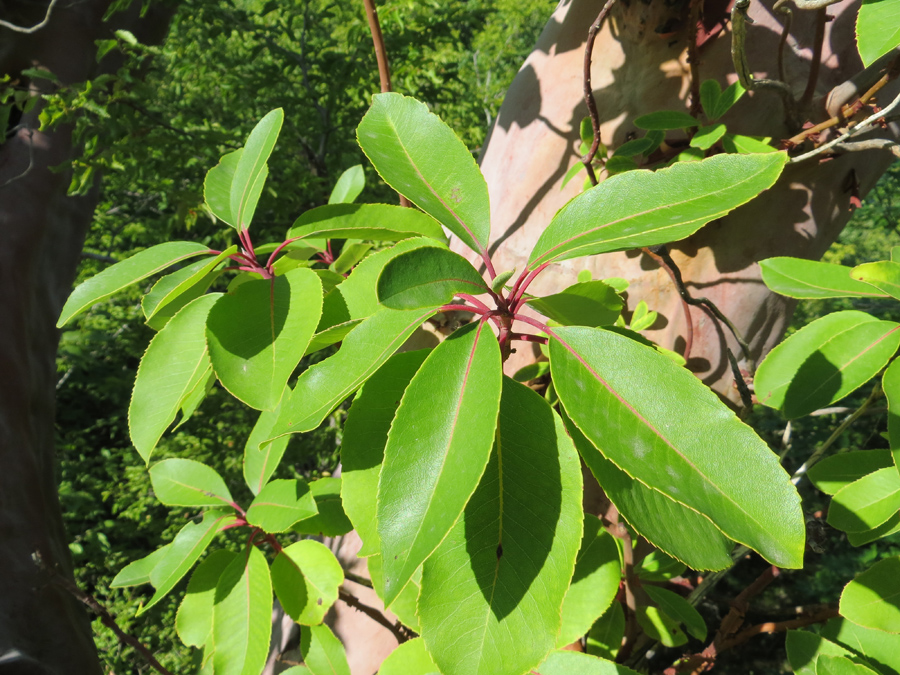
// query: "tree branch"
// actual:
[[589, 91], [397, 629], [36, 27]]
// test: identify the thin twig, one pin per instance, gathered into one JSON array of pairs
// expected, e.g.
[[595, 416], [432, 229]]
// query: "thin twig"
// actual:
[[30, 162], [357, 579], [685, 307], [770, 627], [588, 158], [696, 11], [818, 41], [34, 28], [397, 629]]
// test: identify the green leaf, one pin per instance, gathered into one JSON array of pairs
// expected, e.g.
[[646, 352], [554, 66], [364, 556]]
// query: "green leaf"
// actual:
[[878, 647], [707, 136], [872, 599], [710, 91], [325, 385], [205, 383], [492, 593], [378, 222], [679, 609], [187, 547], [501, 279], [866, 503], [420, 157], [427, 277], [618, 164], [532, 371], [330, 521], [594, 583], [138, 572], [645, 431], [838, 471], [667, 524], [804, 649], [242, 615], [365, 435], [728, 98], [123, 274], [331, 335], [171, 368], [436, 451], [250, 172], [280, 504], [570, 663], [890, 383], [636, 146], [406, 606], [194, 619], [877, 29], [306, 577], [592, 303], [184, 482], [663, 120], [605, 637], [747, 145], [675, 203], [841, 665], [798, 278], [217, 187], [659, 566], [322, 652], [351, 254], [573, 171], [887, 528], [824, 361], [348, 186], [410, 658], [261, 460], [258, 334], [884, 275], [660, 626]]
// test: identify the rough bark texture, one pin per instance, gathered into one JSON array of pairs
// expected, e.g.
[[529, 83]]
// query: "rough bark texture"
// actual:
[[43, 629]]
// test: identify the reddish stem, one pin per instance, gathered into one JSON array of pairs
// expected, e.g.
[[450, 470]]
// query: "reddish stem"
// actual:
[[516, 302], [464, 308], [534, 322], [528, 337], [286, 242], [274, 542], [475, 301]]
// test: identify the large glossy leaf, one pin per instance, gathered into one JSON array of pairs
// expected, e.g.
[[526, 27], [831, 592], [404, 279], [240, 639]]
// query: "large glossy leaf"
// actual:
[[377, 222], [410, 658], [592, 303], [674, 203], [877, 29], [323, 386], [138, 572], [280, 504], [492, 593], [437, 449], [170, 369], [187, 547], [260, 458], [426, 277], [185, 482], [873, 598], [420, 157], [365, 435], [322, 652], [250, 172], [306, 577], [217, 187], [671, 436], [824, 361], [890, 384], [880, 648], [884, 275], [330, 521], [258, 334], [570, 663], [348, 186], [866, 503], [838, 471], [594, 583], [193, 622], [804, 649], [123, 274], [242, 615], [810, 279]]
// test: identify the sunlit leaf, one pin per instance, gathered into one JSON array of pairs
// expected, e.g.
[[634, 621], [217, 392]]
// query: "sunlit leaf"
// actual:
[[306, 577], [350, 183], [185, 482], [798, 278], [866, 503], [280, 504], [378, 222], [427, 277], [194, 619], [138, 572], [872, 599], [322, 652], [877, 29], [250, 172]]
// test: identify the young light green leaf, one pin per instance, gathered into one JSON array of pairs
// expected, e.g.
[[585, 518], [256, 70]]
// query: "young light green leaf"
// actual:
[[436, 451], [187, 547], [170, 369], [378, 222], [331, 335], [193, 622], [873, 598], [675, 203], [501, 279], [250, 172], [427, 277], [890, 384], [660, 626], [569, 663], [258, 334], [707, 136], [645, 431], [594, 583], [261, 459], [123, 274], [348, 186], [659, 566], [605, 637], [573, 171], [322, 652], [804, 649], [330, 521], [410, 658], [242, 615], [352, 252], [323, 386], [836, 472], [866, 503], [420, 157], [666, 523], [664, 120], [217, 187], [184, 482], [492, 592], [365, 435], [306, 577], [880, 648], [824, 361], [592, 303], [810, 279], [679, 609], [841, 665], [280, 504], [138, 572], [877, 29], [747, 145], [884, 275]]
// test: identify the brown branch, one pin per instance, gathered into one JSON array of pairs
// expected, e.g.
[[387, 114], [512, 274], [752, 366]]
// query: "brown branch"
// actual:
[[815, 63], [696, 11], [397, 629], [34, 28], [628, 582], [685, 307], [770, 627], [356, 579], [588, 158]]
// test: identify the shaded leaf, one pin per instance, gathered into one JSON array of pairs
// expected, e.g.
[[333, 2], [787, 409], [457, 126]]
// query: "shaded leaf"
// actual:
[[798, 278], [322, 652], [138, 572], [707, 136], [804, 649], [193, 622], [351, 254], [866, 503], [306, 577], [427, 277], [841, 665], [872, 599], [658, 625], [261, 459], [217, 187], [605, 637], [878, 647], [378, 222], [330, 521], [838, 471], [664, 120], [890, 383], [331, 335], [569, 663], [280, 504], [592, 303], [679, 609], [184, 482]]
